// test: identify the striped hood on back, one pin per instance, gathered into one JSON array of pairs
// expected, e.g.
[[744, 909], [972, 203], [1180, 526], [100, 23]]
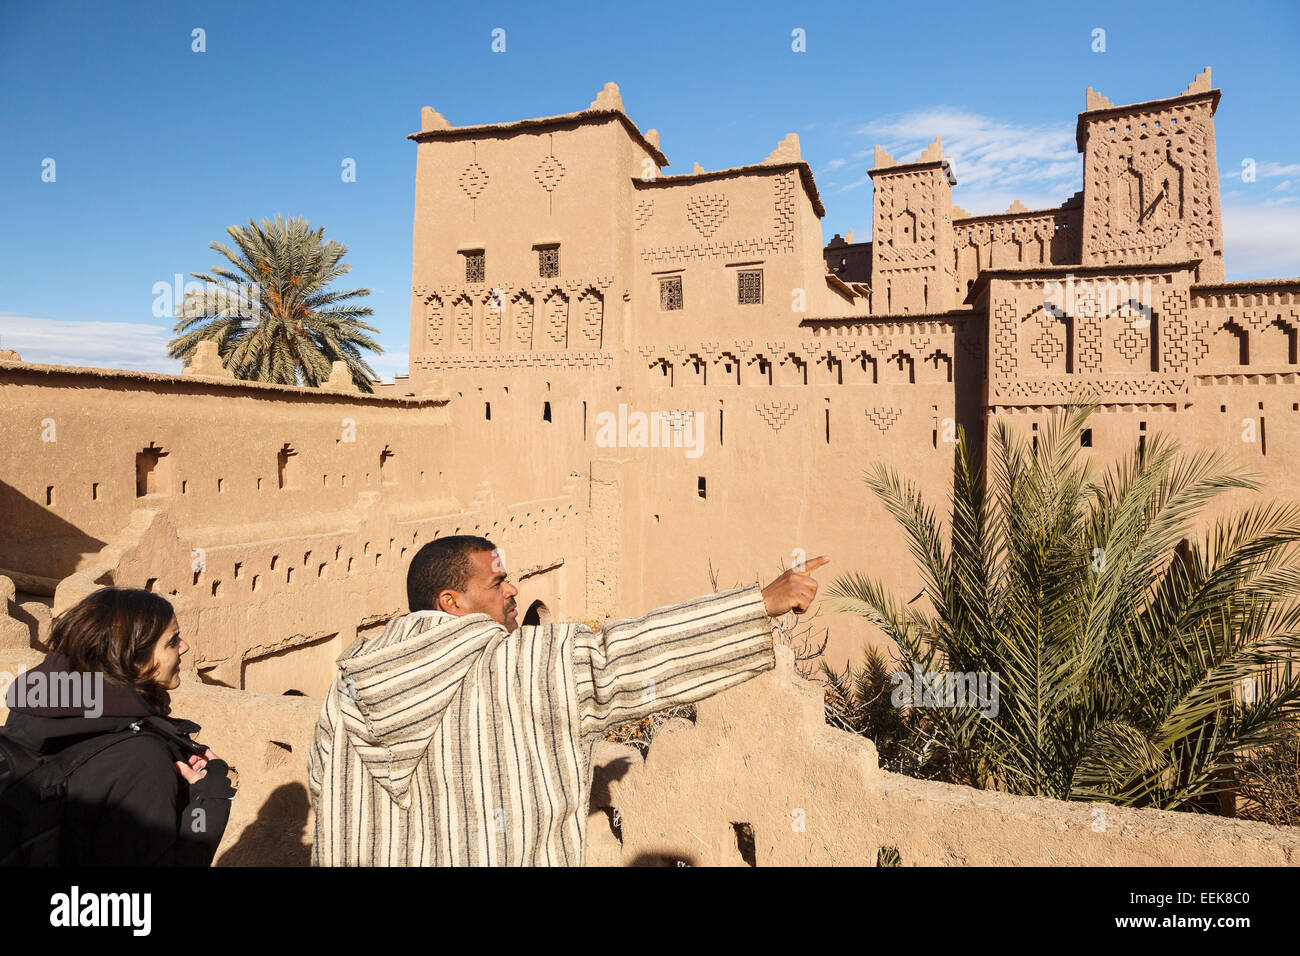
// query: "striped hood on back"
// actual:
[[394, 689], [446, 741]]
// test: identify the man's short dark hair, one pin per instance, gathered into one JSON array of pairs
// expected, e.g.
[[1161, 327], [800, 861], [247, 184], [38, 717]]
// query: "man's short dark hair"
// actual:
[[441, 565]]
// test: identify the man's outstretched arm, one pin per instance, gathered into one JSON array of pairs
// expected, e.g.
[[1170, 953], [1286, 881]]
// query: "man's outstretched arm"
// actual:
[[684, 652]]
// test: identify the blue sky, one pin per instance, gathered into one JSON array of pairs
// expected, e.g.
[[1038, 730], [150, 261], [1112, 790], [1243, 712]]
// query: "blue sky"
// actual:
[[157, 148]]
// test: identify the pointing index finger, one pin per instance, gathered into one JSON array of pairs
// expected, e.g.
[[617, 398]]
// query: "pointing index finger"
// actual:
[[812, 564]]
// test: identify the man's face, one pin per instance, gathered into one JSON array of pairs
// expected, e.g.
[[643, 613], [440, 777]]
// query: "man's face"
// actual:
[[487, 592]]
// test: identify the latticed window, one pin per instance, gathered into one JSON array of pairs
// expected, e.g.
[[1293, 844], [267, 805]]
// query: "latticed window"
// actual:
[[670, 293], [475, 266], [548, 261], [750, 287]]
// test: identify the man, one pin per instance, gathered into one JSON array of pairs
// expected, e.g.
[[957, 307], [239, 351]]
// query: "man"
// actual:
[[457, 737]]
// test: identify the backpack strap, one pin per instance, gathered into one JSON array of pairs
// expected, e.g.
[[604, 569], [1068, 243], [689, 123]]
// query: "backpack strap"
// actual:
[[71, 758]]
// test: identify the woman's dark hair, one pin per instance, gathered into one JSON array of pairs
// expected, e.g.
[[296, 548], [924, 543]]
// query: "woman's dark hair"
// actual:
[[114, 631]]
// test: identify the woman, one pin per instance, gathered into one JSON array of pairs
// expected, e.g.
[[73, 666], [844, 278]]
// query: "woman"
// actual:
[[142, 793]]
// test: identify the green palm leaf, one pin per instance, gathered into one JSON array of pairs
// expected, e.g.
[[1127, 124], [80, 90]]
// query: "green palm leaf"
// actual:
[[270, 313], [1121, 641]]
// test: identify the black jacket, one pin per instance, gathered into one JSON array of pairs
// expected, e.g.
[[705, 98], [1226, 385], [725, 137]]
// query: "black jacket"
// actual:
[[127, 806]]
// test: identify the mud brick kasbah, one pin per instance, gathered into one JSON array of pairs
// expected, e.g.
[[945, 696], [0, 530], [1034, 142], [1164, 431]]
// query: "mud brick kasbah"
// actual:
[[563, 282]]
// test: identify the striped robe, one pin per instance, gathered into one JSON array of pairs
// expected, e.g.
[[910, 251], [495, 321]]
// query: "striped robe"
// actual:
[[450, 742]]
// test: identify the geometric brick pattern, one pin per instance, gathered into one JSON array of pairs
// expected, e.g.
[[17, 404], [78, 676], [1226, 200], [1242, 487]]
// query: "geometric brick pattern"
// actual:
[[677, 420], [798, 364], [1166, 320], [707, 213], [776, 414], [905, 219], [1131, 343], [1047, 346], [436, 320], [517, 299], [645, 207], [484, 360], [548, 173], [883, 418], [473, 180], [1129, 166], [1004, 339], [492, 309], [1180, 344], [781, 238], [591, 308], [464, 310], [1088, 328], [523, 322], [557, 320], [1063, 390]]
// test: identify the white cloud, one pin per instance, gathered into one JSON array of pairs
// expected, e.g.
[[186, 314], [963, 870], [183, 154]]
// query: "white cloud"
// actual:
[[833, 165], [1261, 242], [861, 181], [1231, 176], [137, 346], [389, 364], [995, 161]]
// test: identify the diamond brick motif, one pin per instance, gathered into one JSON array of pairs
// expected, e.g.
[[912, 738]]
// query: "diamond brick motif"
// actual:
[[473, 180], [549, 172], [1047, 348], [1130, 343]]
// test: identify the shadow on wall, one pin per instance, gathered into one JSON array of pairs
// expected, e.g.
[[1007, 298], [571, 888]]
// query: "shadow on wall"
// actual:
[[649, 859], [277, 836], [537, 614], [36, 540]]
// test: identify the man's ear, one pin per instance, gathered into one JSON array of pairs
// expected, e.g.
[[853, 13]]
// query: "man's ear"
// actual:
[[447, 602]]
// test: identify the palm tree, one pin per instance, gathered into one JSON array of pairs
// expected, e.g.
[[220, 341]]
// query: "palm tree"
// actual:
[[271, 315], [1134, 665]]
